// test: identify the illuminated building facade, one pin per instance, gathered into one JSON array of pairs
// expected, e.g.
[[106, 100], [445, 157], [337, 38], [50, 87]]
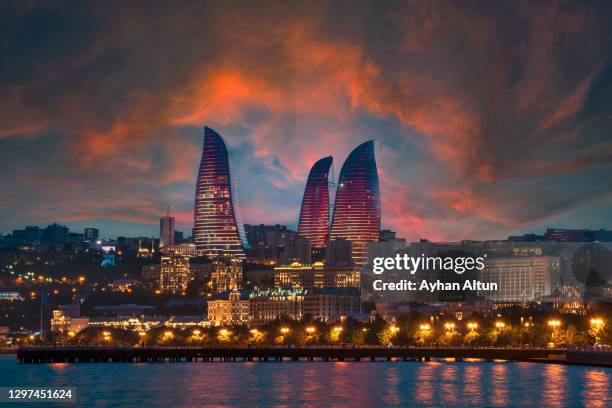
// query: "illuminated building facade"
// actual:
[[226, 274], [519, 279], [357, 206], [297, 276], [331, 304], [67, 318], [231, 311], [217, 227], [317, 275], [315, 212], [174, 274], [180, 249], [266, 306]]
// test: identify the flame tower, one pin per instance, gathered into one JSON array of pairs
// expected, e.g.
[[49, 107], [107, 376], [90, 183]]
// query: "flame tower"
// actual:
[[217, 225], [357, 207], [315, 213]]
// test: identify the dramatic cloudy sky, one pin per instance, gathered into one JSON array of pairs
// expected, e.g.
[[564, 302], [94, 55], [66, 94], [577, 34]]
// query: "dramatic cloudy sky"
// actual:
[[490, 118]]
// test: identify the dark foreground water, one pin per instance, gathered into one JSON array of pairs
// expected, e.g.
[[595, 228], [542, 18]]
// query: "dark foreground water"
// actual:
[[318, 384]]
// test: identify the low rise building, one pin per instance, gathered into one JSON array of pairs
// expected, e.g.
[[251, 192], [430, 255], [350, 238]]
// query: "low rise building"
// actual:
[[331, 304], [231, 311], [268, 305], [68, 319]]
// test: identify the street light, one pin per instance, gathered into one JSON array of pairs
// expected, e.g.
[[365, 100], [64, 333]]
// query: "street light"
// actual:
[[472, 326], [500, 325], [424, 327], [284, 330], [597, 322], [196, 333], [168, 335], [450, 326], [254, 332], [310, 330], [394, 329], [554, 323]]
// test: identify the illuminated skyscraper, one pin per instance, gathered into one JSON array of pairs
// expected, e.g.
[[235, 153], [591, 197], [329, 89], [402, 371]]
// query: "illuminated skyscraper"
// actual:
[[217, 226], [357, 207], [315, 214]]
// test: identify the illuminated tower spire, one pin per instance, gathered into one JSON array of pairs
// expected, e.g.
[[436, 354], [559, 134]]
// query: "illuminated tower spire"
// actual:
[[357, 206], [315, 213], [217, 227]]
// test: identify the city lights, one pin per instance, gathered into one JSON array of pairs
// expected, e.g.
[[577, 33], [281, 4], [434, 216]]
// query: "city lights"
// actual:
[[597, 322], [472, 326], [424, 327]]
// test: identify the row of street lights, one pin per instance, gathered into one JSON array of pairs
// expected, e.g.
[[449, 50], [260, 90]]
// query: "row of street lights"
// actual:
[[595, 323]]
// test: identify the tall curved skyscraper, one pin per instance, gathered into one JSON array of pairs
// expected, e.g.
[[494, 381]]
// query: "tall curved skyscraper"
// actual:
[[217, 227], [314, 215], [357, 206]]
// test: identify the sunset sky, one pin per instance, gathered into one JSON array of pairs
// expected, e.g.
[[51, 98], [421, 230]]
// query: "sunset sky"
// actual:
[[490, 118]]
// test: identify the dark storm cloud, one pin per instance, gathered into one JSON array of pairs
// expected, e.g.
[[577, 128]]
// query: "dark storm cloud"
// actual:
[[489, 118]]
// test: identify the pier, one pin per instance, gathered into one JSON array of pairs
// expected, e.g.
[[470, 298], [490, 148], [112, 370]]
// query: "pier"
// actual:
[[45, 355]]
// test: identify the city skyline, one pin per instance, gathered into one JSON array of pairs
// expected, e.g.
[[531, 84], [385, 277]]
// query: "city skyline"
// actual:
[[483, 130]]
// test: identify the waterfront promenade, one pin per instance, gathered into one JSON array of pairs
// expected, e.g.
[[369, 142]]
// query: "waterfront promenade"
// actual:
[[265, 354]]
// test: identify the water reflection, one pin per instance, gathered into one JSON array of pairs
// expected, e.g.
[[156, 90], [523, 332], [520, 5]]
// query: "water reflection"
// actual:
[[499, 385], [392, 395], [554, 387], [449, 383], [423, 384], [321, 384], [596, 391], [472, 390]]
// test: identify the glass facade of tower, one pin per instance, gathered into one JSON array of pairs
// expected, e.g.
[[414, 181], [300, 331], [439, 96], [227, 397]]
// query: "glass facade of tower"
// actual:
[[357, 206], [315, 213], [217, 226]]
